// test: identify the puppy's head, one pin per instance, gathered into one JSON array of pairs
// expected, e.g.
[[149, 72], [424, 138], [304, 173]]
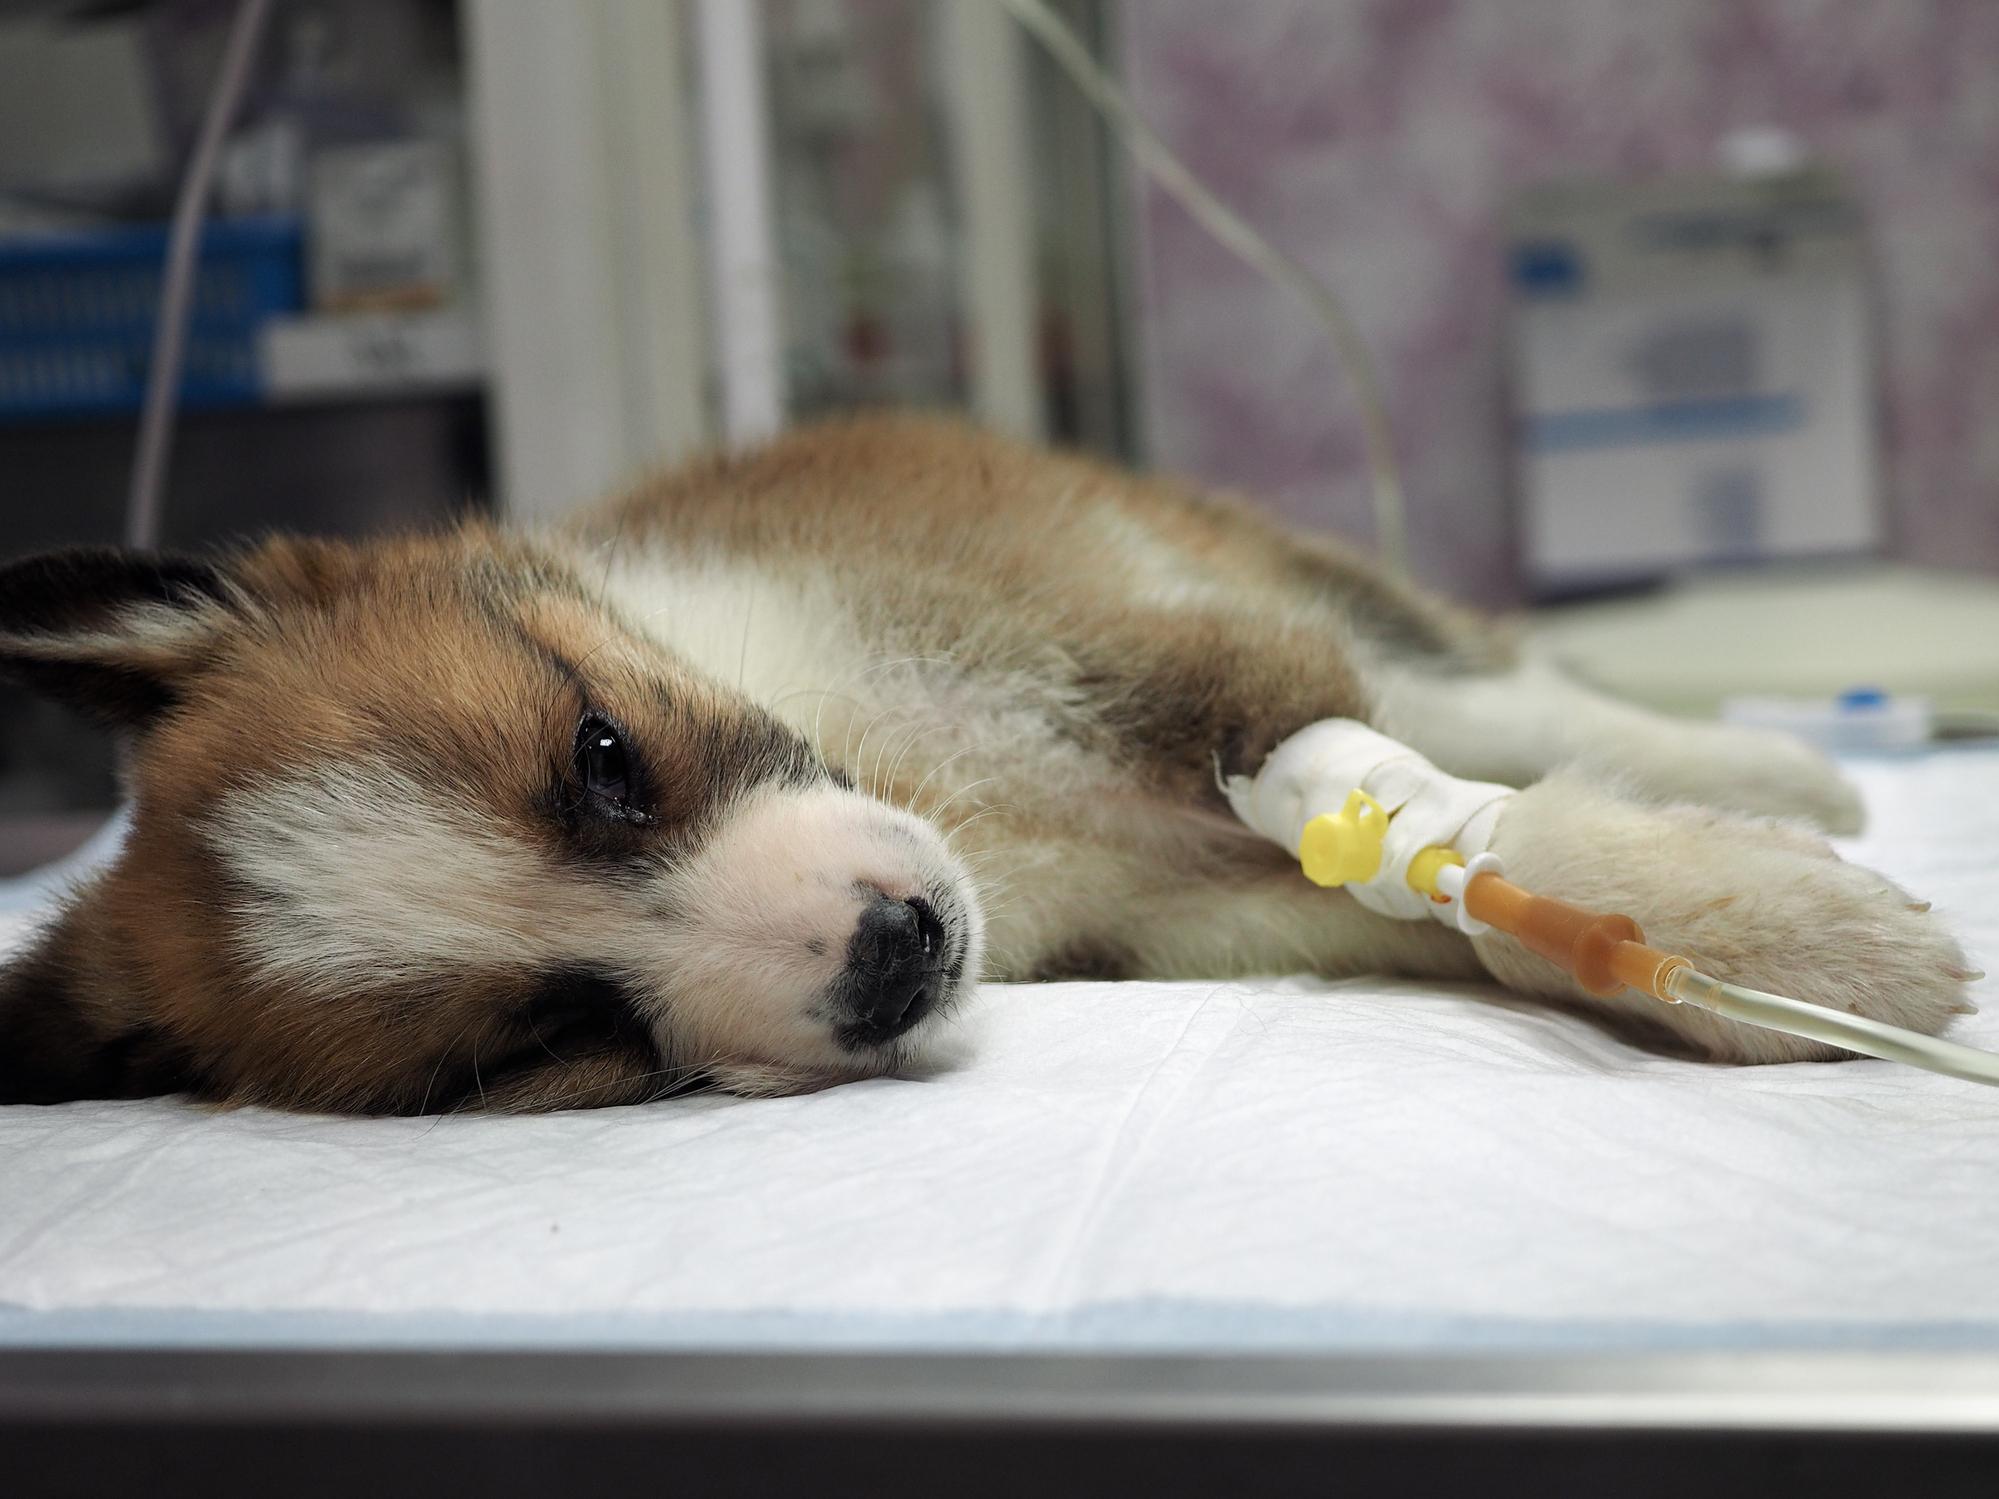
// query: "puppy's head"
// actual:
[[421, 826]]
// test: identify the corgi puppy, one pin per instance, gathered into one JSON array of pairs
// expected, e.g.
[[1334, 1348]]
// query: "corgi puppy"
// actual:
[[750, 778]]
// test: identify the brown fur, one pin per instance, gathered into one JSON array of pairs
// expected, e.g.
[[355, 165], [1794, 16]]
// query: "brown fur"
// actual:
[[916, 506]]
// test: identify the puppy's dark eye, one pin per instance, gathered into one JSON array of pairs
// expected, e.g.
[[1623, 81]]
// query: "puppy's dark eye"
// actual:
[[602, 762]]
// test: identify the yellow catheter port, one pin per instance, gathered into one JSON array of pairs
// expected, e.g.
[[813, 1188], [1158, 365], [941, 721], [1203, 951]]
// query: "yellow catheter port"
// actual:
[[1344, 847], [1427, 866]]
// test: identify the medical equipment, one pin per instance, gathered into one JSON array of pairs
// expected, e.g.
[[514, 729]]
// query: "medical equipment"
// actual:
[[1409, 841]]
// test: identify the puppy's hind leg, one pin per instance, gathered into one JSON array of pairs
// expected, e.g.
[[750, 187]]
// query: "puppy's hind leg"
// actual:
[[1518, 726]]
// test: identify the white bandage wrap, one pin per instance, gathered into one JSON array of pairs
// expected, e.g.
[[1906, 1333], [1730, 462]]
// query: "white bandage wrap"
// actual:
[[1313, 772]]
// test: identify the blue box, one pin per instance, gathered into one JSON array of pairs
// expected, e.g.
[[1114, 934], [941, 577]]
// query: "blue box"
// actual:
[[77, 313]]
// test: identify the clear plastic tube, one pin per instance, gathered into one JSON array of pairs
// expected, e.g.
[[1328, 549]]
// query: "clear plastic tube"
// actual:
[[1815, 1022], [154, 454], [1607, 954]]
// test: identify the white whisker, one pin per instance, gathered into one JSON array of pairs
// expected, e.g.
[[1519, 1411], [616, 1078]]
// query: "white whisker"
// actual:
[[936, 814]]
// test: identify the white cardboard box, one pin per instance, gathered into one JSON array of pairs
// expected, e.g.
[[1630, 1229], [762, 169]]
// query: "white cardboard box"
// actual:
[[386, 227]]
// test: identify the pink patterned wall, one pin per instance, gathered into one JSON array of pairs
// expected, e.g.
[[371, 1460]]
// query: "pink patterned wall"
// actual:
[[1376, 139]]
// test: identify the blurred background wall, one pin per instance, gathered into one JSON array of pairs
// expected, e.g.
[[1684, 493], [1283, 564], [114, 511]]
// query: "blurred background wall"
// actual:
[[514, 251], [1377, 139]]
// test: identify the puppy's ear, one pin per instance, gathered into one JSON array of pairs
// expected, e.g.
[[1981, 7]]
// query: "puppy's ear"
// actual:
[[115, 634], [61, 1040]]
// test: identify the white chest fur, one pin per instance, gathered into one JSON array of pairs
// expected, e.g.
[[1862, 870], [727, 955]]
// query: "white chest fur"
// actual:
[[784, 640]]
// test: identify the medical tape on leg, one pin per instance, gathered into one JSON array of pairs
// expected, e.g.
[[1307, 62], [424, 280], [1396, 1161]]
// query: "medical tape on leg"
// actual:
[[1316, 769]]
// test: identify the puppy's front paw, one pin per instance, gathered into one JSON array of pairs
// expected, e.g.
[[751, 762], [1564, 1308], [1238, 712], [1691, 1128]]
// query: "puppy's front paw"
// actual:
[[1751, 902]]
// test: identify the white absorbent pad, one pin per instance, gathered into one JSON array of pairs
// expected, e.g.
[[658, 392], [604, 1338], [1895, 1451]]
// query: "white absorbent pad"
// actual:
[[1294, 1163]]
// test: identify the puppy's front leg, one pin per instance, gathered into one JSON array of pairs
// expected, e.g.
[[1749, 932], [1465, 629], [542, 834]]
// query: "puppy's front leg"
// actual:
[[1755, 901], [1750, 900]]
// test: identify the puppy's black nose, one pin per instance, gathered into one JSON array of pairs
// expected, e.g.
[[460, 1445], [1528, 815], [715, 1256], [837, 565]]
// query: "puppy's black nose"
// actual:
[[893, 963]]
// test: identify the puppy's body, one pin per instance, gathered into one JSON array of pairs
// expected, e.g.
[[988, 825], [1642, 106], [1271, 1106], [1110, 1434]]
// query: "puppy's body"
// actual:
[[900, 701]]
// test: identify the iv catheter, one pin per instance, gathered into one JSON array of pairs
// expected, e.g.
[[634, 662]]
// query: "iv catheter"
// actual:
[[1605, 954]]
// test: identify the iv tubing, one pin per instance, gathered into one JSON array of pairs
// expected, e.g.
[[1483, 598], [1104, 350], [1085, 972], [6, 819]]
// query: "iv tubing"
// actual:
[[1157, 158], [156, 422], [1607, 954], [1854, 1032]]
